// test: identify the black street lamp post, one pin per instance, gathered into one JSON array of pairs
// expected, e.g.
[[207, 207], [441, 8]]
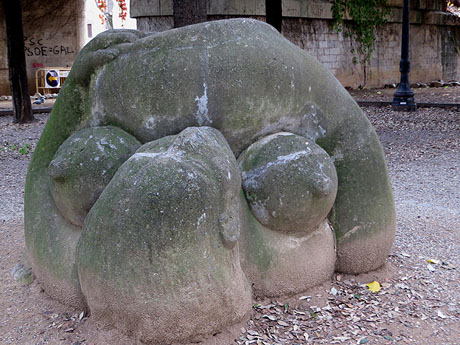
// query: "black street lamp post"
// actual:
[[404, 97]]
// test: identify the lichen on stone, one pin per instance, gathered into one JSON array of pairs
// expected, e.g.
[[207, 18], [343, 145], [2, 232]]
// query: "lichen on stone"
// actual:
[[182, 172]]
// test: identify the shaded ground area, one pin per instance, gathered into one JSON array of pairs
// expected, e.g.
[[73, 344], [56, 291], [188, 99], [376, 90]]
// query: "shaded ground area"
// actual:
[[9, 104], [417, 304], [447, 94]]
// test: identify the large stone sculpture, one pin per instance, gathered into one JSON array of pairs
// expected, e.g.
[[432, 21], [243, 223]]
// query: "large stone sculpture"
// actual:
[[183, 171]]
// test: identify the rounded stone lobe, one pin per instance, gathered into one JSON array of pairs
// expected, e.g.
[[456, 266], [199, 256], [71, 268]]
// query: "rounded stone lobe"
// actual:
[[84, 165], [156, 245], [289, 181]]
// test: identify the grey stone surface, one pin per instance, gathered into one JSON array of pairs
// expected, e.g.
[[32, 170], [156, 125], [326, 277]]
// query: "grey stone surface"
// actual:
[[290, 184], [289, 181], [84, 165], [280, 264], [166, 252], [141, 253], [22, 272]]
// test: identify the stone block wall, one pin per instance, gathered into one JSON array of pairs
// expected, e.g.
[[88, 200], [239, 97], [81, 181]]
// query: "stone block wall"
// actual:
[[433, 55], [434, 45], [434, 42]]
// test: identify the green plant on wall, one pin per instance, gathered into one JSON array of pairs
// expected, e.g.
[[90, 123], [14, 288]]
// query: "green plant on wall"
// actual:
[[365, 16]]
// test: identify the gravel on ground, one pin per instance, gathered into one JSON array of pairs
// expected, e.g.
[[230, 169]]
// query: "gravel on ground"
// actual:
[[446, 94], [418, 302]]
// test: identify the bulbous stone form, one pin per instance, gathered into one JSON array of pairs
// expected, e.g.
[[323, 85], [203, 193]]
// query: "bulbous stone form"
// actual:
[[244, 79], [84, 165], [280, 264], [289, 181], [290, 184], [165, 253]]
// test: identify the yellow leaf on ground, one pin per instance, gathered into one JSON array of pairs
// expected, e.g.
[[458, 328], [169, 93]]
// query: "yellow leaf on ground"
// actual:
[[433, 261], [374, 286]]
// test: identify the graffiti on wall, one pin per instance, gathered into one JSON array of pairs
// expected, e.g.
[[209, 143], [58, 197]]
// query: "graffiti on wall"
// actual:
[[38, 47]]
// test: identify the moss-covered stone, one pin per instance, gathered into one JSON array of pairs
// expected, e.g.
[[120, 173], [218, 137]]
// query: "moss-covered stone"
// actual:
[[160, 243], [280, 264], [51, 239], [245, 80], [84, 165], [270, 85], [289, 181]]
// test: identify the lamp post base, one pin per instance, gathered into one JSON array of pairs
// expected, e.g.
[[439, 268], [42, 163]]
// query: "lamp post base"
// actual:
[[404, 101]]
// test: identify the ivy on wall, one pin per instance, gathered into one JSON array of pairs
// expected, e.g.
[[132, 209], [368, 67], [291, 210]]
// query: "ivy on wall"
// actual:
[[366, 16]]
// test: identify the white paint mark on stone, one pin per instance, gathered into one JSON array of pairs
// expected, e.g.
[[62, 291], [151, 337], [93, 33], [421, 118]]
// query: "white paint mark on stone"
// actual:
[[267, 139], [322, 130], [202, 112], [295, 241], [351, 232], [292, 156], [201, 219], [99, 146], [144, 154], [191, 175], [326, 181], [150, 123], [250, 177]]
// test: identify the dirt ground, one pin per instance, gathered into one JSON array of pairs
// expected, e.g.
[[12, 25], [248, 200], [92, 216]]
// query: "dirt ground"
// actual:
[[46, 103], [447, 94], [419, 299]]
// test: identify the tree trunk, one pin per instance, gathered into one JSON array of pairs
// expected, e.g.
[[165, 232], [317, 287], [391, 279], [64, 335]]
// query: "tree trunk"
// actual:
[[17, 61], [187, 12], [274, 15]]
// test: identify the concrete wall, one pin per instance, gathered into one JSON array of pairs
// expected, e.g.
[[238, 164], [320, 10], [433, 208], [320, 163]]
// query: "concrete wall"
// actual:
[[51, 38], [435, 36], [55, 31]]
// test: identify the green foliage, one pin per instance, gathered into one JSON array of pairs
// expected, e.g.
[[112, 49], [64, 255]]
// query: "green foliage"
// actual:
[[366, 16], [22, 149]]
